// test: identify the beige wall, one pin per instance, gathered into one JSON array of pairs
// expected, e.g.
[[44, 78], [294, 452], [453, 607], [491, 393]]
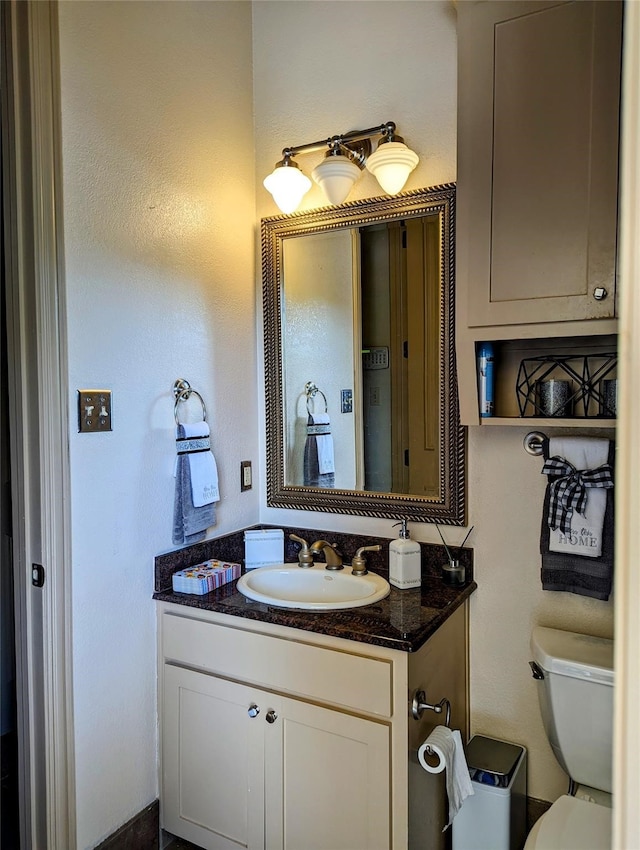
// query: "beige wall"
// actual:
[[506, 490], [160, 279], [321, 68]]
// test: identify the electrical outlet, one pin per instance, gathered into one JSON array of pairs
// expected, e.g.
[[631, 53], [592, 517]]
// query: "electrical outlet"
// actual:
[[346, 400], [245, 475], [94, 411]]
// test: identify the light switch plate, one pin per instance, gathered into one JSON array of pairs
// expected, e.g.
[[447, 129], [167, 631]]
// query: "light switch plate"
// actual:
[[94, 411], [346, 401], [246, 479]]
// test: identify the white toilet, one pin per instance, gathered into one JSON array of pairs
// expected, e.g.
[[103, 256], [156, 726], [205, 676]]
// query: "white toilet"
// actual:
[[575, 690]]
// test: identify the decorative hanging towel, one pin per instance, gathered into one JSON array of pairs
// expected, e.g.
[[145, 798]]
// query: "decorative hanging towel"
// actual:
[[319, 467], [576, 541], [196, 484], [578, 494]]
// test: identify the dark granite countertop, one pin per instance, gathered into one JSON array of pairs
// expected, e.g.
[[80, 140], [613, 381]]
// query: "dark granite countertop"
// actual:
[[405, 620]]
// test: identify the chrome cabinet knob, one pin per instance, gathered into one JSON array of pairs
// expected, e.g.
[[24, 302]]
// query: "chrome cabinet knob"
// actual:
[[253, 710], [600, 293], [271, 716]]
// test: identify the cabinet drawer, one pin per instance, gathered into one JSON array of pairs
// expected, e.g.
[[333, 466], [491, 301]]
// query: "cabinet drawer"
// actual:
[[328, 675]]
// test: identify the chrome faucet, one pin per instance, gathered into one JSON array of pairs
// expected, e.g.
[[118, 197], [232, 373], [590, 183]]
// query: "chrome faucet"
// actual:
[[333, 559]]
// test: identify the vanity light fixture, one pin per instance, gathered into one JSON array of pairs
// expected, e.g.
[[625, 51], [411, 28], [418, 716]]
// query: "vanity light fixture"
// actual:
[[287, 184], [391, 163]]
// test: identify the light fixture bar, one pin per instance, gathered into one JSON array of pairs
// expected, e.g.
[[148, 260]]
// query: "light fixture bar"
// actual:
[[387, 129]]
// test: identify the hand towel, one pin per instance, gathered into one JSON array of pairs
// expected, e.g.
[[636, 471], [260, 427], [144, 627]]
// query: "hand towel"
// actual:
[[202, 464], [574, 573], [446, 744], [585, 534], [190, 522], [319, 466]]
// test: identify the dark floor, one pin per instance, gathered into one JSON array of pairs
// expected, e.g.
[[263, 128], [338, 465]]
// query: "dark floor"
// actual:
[[178, 844], [9, 834]]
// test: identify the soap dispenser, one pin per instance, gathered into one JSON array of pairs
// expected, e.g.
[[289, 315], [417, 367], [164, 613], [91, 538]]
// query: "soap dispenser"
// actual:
[[404, 560]]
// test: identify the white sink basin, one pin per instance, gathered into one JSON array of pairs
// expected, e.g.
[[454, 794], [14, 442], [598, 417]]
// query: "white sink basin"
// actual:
[[312, 588]]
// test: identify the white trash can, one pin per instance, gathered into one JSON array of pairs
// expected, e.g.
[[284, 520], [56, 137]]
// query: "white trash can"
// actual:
[[495, 817]]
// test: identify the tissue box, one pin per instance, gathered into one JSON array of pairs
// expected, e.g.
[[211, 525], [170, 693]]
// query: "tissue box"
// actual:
[[263, 547], [205, 577]]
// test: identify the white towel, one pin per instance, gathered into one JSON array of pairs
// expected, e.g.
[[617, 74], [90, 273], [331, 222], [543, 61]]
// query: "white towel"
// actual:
[[324, 443], [586, 531], [202, 465], [459, 785], [318, 462]]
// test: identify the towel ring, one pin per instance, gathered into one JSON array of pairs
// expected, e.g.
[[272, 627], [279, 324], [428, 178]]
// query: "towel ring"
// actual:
[[311, 390], [182, 390]]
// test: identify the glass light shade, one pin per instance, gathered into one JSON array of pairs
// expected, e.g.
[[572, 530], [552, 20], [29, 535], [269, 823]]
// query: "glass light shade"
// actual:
[[336, 175], [288, 185], [391, 164]]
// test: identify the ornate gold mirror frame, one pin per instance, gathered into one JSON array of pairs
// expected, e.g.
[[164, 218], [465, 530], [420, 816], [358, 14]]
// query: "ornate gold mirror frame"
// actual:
[[448, 506]]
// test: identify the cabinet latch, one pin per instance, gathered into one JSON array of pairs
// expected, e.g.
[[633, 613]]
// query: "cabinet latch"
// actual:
[[37, 575]]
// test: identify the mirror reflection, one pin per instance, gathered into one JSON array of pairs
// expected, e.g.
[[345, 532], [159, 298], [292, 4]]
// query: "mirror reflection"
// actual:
[[369, 298], [361, 397]]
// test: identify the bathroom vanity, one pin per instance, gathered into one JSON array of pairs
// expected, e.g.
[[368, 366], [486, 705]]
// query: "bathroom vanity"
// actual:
[[293, 729]]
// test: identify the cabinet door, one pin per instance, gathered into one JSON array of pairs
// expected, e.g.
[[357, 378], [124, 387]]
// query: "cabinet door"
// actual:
[[212, 761], [539, 90], [327, 780]]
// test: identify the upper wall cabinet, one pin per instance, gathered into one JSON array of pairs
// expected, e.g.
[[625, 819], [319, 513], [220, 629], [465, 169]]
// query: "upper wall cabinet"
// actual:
[[538, 125], [538, 95]]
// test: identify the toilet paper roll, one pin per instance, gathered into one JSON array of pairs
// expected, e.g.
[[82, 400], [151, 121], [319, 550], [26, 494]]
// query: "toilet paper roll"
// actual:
[[446, 745], [439, 746]]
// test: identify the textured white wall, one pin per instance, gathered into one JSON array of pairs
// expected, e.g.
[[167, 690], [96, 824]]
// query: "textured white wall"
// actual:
[[160, 271], [350, 65]]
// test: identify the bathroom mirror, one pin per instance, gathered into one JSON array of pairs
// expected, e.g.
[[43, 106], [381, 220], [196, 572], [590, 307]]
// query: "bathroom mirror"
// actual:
[[359, 359]]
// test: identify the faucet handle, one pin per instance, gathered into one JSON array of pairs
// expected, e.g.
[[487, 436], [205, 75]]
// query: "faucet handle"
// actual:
[[358, 564], [305, 558]]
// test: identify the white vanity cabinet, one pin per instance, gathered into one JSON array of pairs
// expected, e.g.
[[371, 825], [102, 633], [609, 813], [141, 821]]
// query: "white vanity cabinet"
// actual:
[[276, 738], [249, 768]]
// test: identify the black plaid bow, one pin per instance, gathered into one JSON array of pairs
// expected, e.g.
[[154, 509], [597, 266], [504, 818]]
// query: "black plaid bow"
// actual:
[[568, 492]]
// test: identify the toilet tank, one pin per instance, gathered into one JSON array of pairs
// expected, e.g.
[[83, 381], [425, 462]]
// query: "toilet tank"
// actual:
[[576, 702]]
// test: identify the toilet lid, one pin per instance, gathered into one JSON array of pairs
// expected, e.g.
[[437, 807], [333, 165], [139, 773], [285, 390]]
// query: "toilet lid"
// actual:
[[573, 824]]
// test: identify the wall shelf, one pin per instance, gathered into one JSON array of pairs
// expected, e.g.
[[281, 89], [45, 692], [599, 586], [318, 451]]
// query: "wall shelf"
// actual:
[[509, 355], [547, 422]]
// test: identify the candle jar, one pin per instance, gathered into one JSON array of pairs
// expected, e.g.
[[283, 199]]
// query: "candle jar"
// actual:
[[609, 397], [554, 398]]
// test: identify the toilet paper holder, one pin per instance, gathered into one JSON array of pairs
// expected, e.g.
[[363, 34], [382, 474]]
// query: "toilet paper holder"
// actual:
[[419, 705]]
